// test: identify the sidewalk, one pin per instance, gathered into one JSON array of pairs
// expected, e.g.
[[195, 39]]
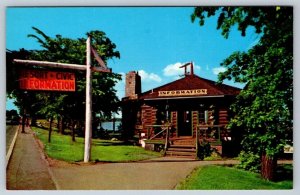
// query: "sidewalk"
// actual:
[[27, 170]]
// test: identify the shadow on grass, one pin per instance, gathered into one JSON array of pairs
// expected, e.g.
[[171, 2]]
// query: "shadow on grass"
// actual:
[[108, 143], [284, 172]]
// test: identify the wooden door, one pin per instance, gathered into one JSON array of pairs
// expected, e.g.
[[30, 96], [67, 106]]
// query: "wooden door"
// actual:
[[184, 123]]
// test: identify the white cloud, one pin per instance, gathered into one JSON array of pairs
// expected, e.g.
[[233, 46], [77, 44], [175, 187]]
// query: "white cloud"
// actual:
[[149, 77], [196, 67], [216, 71], [174, 70]]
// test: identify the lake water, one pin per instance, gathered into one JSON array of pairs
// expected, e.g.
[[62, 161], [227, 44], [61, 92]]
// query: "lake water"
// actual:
[[109, 125]]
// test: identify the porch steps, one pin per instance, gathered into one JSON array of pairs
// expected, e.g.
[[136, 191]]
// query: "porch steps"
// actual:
[[182, 148], [183, 142]]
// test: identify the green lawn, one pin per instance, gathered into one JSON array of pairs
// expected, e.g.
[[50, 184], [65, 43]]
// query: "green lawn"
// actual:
[[62, 148], [226, 178]]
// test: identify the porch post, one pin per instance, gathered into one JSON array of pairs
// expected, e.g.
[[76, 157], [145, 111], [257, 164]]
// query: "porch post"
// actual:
[[196, 142]]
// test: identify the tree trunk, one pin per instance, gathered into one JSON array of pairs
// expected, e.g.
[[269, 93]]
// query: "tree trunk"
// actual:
[[268, 167], [61, 125], [50, 129], [73, 130], [23, 121], [33, 121]]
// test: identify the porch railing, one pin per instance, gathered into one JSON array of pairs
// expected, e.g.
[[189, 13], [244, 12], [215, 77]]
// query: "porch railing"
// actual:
[[165, 128], [208, 133]]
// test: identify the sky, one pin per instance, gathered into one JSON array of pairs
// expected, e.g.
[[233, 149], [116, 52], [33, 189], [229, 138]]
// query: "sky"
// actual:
[[154, 41]]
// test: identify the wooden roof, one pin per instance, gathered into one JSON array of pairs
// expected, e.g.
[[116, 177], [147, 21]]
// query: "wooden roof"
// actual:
[[192, 83]]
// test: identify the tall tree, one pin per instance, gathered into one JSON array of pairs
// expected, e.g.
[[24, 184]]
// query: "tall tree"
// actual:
[[67, 50], [25, 100], [264, 108]]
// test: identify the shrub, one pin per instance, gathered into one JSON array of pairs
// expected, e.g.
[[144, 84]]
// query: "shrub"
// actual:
[[249, 161], [204, 150]]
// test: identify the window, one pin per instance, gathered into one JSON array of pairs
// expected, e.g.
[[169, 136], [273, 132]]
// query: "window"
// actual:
[[203, 116]]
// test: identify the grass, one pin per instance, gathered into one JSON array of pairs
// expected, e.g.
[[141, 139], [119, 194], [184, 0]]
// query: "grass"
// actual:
[[62, 148], [213, 177]]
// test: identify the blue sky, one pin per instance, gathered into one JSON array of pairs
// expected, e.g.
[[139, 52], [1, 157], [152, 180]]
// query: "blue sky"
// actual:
[[152, 40]]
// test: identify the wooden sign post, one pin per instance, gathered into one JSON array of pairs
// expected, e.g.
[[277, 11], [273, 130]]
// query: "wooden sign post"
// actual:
[[88, 102], [89, 69]]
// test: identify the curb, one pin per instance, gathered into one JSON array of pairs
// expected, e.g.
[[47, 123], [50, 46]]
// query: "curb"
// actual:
[[44, 157], [11, 147]]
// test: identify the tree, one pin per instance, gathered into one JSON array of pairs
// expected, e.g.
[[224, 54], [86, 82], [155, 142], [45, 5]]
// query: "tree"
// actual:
[[65, 104], [25, 100], [264, 108], [67, 50]]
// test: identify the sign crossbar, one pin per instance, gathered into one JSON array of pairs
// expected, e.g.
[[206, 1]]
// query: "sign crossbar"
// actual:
[[61, 65]]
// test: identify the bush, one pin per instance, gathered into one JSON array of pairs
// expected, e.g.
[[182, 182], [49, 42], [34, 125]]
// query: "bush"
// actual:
[[249, 161], [204, 150], [214, 156]]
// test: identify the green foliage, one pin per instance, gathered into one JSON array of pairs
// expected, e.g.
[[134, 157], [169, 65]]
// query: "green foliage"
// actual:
[[66, 50], [204, 150], [12, 114], [226, 178], [264, 108], [213, 156], [249, 161]]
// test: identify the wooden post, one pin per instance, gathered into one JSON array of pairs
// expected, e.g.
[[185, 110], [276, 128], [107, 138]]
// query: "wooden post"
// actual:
[[197, 141], [167, 139], [88, 102], [148, 132]]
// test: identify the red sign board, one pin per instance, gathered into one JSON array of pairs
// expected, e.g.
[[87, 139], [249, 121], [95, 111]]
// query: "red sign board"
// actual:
[[47, 80]]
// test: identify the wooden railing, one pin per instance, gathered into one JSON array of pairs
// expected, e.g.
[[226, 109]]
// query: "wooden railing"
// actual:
[[165, 128], [209, 133]]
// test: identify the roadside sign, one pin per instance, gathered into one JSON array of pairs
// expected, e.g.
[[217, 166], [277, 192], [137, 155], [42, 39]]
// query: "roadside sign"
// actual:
[[63, 81], [46, 80]]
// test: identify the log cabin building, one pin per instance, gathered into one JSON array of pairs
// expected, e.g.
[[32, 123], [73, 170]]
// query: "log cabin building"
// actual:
[[177, 114]]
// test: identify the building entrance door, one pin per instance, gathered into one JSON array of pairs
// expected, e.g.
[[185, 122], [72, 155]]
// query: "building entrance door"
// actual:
[[184, 123]]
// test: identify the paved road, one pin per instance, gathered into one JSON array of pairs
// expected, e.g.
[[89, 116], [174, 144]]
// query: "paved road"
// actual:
[[27, 169], [158, 174]]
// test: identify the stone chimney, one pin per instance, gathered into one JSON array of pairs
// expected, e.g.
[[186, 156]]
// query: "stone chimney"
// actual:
[[133, 85]]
